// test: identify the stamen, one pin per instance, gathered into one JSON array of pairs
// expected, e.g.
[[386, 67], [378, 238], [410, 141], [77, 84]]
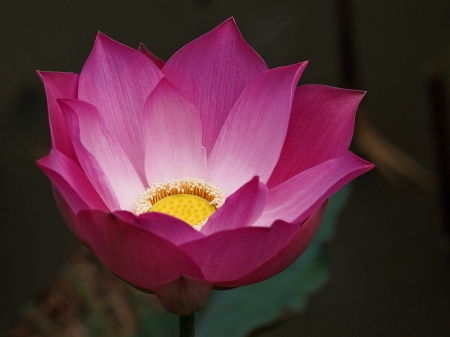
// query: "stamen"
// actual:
[[187, 186]]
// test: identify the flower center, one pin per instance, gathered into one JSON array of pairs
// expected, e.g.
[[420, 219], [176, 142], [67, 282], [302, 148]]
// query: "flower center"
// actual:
[[190, 200]]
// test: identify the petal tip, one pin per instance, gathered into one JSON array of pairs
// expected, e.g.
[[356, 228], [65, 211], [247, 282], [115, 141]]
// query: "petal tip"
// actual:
[[103, 41], [102, 36], [40, 73], [43, 74], [230, 24]]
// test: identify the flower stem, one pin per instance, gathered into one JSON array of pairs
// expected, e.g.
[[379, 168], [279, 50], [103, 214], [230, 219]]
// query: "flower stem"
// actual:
[[187, 324]]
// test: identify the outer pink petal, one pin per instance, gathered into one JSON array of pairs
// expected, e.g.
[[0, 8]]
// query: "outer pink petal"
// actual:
[[60, 85], [230, 255], [163, 225], [156, 60], [71, 182], [140, 257], [213, 71], [321, 128], [298, 197], [117, 80], [73, 191], [240, 209], [286, 255], [252, 137], [103, 160], [182, 295], [172, 135]]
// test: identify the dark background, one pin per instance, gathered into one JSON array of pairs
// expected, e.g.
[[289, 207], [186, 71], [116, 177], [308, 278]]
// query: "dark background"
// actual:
[[389, 260]]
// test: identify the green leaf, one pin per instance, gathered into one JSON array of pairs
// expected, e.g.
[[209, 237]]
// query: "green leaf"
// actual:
[[239, 311]]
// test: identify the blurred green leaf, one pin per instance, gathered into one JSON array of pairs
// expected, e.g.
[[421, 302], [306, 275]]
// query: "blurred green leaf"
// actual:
[[240, 311], [153, 319]]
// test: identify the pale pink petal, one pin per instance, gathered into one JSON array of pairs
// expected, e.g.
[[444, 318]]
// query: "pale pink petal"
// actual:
[[286, 255], [101, 157], [172, 136], [156, 60], [230, 255], [117, 80], [184, 296], [58, 86], [240, 209], [252, 137], [163, 225], [321, 128], [140, 257], [71, 182], [213, 71], [298, 197]]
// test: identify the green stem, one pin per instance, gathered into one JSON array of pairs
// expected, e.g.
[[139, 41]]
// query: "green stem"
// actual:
[[187, 324]]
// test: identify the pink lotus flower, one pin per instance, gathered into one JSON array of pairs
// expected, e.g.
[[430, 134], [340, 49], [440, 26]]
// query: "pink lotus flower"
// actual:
[[249, 158]]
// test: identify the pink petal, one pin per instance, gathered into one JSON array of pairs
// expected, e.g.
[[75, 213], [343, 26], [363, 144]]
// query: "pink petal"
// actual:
[[72, 190], [213, 71], [163, 225], [60, 85], [252, 137], [232, 254], [156, 60], [133, 253], [321, 128], [240, 209], [71, 182], [117, 80], [286, 255], [183, 295], [101, 157], [172, 135], [298, 197]]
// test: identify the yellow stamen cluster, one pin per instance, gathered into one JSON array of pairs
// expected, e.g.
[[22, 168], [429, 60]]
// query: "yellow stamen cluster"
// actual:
[[191, 200]]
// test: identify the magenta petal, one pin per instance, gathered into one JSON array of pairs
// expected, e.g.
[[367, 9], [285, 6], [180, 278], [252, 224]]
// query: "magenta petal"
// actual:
[[156, 60], [72, 190], [138, 256], [213, 71], [172, 135], [58, 86], [71, 182], [286, 255], [252, 137], [184, 296], [103, 160], [232, 254], [163, 225], [298, 197], [321, 128], [240, 209], [117, 80]]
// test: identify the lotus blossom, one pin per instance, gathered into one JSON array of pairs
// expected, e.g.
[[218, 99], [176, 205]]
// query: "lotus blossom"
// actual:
[[207, 171]]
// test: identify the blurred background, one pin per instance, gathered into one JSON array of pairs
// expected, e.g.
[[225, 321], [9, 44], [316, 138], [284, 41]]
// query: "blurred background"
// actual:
[[390, 272]]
